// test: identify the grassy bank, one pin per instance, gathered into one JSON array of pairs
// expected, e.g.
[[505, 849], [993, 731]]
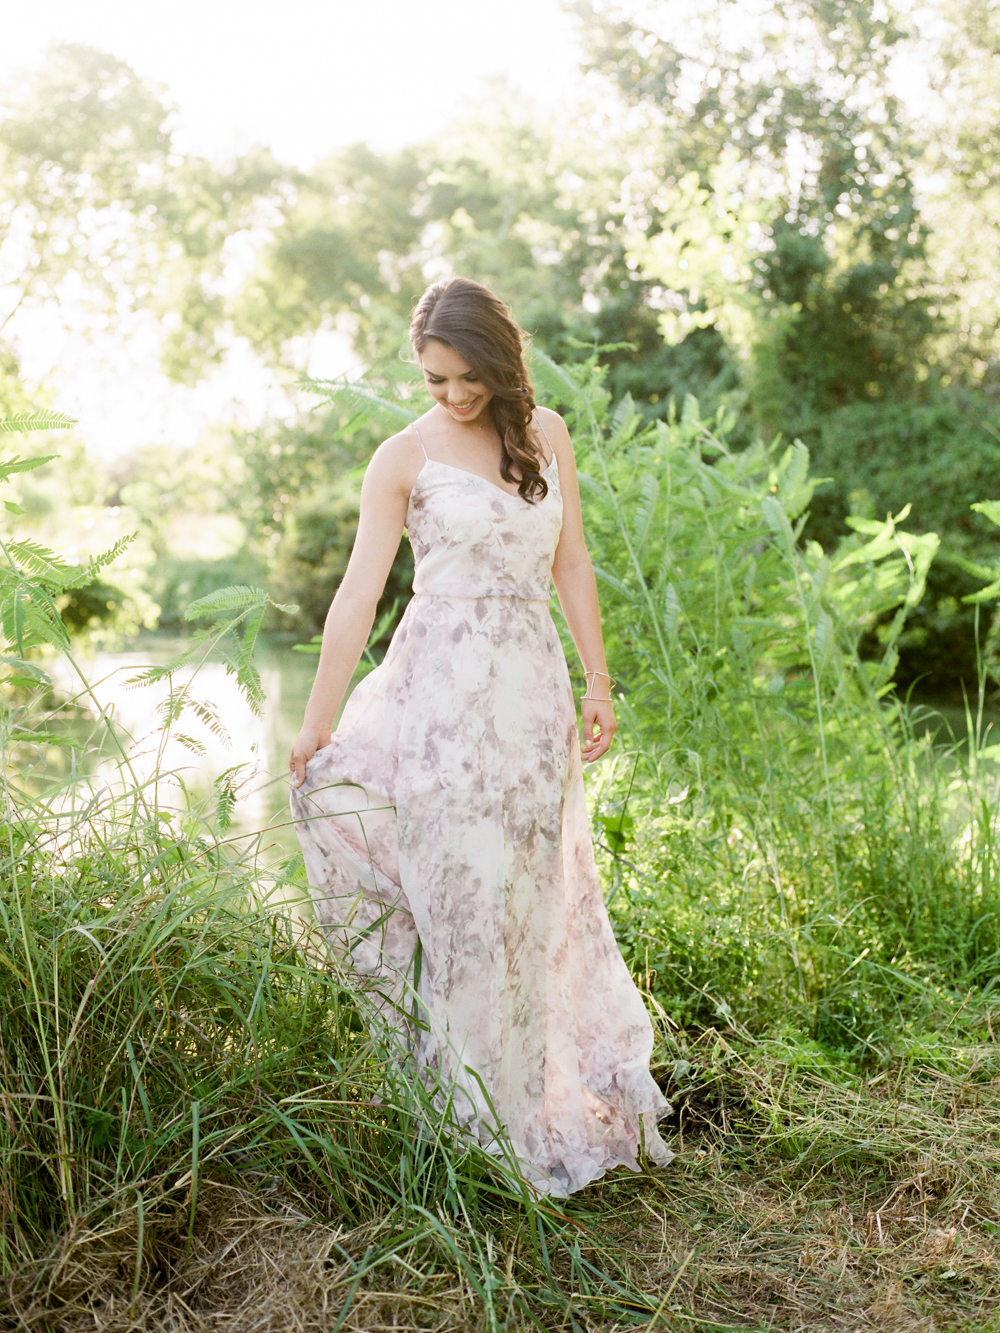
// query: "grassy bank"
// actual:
[[200, 1129]]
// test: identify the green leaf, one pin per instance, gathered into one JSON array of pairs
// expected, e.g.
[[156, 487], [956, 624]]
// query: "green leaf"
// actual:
[[25, 672], [645, 510], [607, 577], [24, 465], [625, 421], [555, 379], [671, 609], [618, 830], [225, 796], [991, 508], [984, 594], [12, 508], [111, 555], [357, 395], [691, 411], [19, 619], [45, 564], [29, 421], [237, 597], [241, 665]]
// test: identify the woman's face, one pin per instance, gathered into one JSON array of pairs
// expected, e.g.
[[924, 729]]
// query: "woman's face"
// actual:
[[451, 383]]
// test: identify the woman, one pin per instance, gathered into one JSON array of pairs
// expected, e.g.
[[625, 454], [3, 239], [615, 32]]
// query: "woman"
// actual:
[[444, 825]]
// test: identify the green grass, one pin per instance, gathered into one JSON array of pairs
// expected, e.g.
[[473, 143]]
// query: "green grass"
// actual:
[[201, 1128]]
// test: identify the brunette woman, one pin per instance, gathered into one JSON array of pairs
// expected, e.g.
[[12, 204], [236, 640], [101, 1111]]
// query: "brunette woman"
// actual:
[[443, 824]]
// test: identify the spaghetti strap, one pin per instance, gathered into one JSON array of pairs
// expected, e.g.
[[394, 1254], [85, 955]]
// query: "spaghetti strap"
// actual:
[[538, 422], [421, 443]]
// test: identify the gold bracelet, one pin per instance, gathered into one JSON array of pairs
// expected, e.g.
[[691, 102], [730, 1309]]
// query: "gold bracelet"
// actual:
[[588, 687]]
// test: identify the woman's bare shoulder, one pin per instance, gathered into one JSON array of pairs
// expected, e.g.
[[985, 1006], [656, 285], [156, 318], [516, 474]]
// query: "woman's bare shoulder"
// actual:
[[397, 461], [556, 432]]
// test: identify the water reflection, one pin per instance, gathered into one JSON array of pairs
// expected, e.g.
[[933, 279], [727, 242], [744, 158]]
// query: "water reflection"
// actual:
[[952, 728], [204, 743]]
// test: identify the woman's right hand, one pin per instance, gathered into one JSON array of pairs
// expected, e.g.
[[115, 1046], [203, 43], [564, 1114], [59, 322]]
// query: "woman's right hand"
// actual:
[[308, 741]]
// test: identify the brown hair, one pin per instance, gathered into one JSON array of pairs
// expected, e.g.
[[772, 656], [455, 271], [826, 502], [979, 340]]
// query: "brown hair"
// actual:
[[469, 318]]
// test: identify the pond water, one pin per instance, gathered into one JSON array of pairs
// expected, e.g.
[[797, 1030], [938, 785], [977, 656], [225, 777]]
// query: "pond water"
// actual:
[[205, 742]]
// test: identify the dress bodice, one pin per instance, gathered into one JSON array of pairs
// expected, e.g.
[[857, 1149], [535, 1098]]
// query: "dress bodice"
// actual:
[[472, 539]]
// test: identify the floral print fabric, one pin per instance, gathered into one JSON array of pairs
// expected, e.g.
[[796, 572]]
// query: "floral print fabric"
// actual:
[[447, 843]]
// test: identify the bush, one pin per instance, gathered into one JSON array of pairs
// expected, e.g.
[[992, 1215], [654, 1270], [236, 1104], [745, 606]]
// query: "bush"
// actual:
[[779, 846], [940, 456], [313, 554]]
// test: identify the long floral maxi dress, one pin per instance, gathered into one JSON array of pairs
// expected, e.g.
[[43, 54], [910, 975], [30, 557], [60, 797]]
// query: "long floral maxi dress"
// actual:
[[447, 844]]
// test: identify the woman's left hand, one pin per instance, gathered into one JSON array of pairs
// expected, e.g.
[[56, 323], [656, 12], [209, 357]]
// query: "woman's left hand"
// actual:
[[599, 727]]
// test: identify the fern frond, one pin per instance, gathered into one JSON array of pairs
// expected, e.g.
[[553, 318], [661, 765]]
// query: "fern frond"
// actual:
[[645, 511], [154, 674], [28, 421], [23, 465], [608, 578], [240, 664], [191, 744], [554, 379], [171, 708], [30, 617], [625, 421], [252, 627], [27, 671], [991, 508], [226, 789], [109, 556], [237, 597], [44, 564], [363, 400], [205, 713]]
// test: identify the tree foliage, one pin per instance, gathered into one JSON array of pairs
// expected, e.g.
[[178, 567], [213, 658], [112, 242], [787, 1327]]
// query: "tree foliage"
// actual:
[[97, 206]]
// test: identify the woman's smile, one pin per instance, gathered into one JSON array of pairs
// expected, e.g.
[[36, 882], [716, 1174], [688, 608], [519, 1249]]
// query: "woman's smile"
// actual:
[[465, 409]]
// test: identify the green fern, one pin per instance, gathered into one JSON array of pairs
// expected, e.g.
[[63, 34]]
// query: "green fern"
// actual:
[[991, 509], [239, 613], [237, 597], [226, 791], [557, 381], [109, 556], [45, 564], [364, 401], [23, 465], [29, 421]]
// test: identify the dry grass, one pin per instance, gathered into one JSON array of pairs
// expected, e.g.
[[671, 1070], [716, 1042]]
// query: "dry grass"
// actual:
[[796, 1203]]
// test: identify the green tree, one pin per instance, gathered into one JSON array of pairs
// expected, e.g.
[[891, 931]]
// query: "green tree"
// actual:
[[782, 209], [97, 207]]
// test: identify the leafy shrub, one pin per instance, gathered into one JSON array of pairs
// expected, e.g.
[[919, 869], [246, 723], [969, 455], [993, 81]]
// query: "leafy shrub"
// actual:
[[792, 847], [313, 555], [940, 455]]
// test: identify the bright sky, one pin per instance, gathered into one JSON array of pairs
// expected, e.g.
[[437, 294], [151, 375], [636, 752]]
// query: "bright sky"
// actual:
[[307, 75], [304, 77]]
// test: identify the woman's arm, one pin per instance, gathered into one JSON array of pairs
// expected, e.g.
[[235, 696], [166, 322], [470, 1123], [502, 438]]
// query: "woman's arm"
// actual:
[[385, 494], [573, 576]]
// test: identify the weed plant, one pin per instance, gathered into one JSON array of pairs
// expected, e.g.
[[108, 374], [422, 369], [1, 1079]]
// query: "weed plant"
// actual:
[[783, 850], [200, 1121]]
